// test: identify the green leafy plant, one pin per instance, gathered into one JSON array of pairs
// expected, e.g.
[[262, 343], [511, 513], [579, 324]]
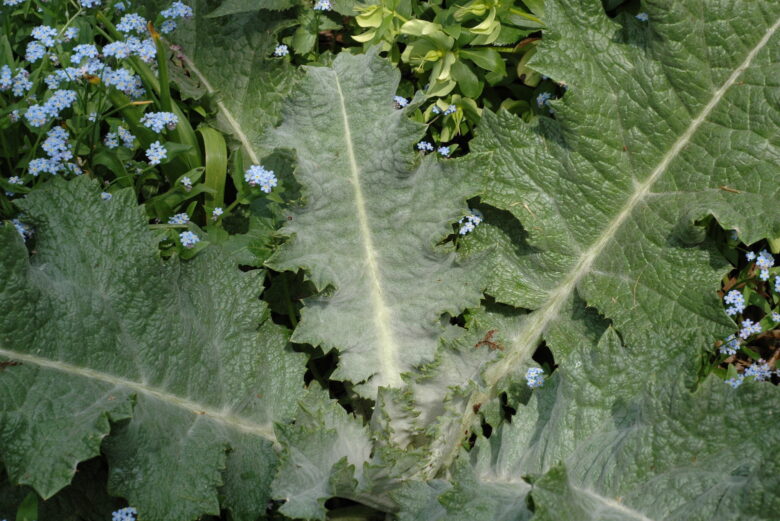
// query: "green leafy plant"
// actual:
[[524, 333], [457, 48]]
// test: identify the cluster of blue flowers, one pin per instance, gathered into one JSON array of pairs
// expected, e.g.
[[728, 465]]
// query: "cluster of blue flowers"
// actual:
[[132, 23], [156, 153], [764, 261], [759, 372], [18, 83], [24, 230], [39, 115], [176, 10], [256, 175], [57, 147], [281, 50], [749, 328], [68, 68], [131, 46], [543, 100], [424, 146], [179, 218], [400, 101], [158, 121], [111, 139], [469, 222], [323, 5], [534, 377], [124, 514], [82, 64], [737, 301], [449, 110], [730, 345], [188, 239]]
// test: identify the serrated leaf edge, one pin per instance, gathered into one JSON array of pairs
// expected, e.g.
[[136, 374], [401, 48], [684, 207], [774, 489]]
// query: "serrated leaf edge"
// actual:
[[534, 327], [239, 133]]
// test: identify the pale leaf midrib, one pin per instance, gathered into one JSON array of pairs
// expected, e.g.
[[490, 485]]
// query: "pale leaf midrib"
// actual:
[[534, 326], [389, 371], [239, 133], [225, 418], [612, 504]]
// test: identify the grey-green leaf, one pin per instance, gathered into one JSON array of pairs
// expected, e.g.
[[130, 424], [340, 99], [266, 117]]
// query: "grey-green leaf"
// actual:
[[230, 58], [663, 124], [324, 454], [371, 223], [614, 435], [104, 332], [662, 453]]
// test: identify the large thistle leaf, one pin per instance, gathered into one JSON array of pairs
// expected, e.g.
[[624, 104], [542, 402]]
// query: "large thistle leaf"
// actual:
[[230, 59], [324, 455], [664, 123], [604, 440], [103, 332], [370, 224], [629, 447]]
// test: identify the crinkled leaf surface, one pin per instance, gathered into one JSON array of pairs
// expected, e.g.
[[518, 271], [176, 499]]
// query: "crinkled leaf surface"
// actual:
[[605, 440], [103, 331], [370, 224], [228, 7], [231, 59], [676, 461], [638, 448], [664, 123], [323, 449]]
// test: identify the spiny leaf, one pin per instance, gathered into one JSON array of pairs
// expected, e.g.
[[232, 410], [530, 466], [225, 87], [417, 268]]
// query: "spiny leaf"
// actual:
[[103, 331], [231, 59], [324, 456], [601, 440], [611, 189], [370, 224]]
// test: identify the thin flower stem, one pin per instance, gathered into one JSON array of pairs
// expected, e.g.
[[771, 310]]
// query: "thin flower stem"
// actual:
[[70, 21], [402, 18]]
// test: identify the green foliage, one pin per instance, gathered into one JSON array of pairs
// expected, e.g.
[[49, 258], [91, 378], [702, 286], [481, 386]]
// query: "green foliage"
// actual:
[[458, 49], [450, 43], [524, 333], [374, 240], [172, 349]]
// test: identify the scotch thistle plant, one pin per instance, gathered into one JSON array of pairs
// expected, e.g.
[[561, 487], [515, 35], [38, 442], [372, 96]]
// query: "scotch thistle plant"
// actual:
[[311, 282]]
